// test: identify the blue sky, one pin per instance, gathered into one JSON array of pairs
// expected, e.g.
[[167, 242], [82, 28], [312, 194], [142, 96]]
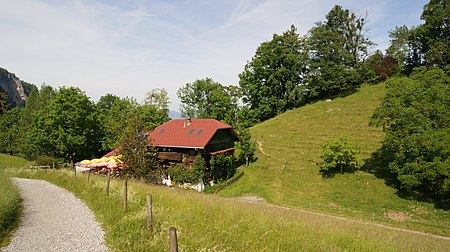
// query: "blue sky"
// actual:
[[130, 47]]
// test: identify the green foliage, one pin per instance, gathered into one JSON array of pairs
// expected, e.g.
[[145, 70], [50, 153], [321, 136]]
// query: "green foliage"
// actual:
[[69, 127], [10, 200], [208, 99], [9, 131], [415, 116], [426, 44], [182, 173], [198, 168], [338, 155], [378, 67], [272, 80], [158, 98], [246, 148], [221, 168], [35, 107], [336, 49], [286, 172], [46, 160], [3, 102], [137, 154], [290, 71], [10, 205], [113, 113]]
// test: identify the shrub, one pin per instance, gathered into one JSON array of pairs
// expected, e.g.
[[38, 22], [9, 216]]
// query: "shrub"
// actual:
[[46, 160], [339, 156], [179, 173], [221, 168]]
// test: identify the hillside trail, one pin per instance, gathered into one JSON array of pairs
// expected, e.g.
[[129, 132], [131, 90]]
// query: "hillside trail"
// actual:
[[53, 219], [253, 199]]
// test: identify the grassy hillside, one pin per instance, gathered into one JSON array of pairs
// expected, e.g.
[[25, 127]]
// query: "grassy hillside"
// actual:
[[287, 173], [213, 223]]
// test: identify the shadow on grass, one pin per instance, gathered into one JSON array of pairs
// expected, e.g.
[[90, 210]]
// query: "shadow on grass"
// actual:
[[378, 164], [331, 173]]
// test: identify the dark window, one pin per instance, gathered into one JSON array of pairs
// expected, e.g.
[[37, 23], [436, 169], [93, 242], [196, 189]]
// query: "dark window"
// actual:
[[199, 132], [191, 131]]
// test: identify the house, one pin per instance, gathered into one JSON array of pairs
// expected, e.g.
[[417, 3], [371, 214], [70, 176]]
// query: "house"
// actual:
[[181, 140]]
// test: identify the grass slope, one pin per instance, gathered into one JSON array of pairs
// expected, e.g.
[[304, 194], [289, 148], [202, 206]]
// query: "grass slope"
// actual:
[[10, 201], [287, 173], [213, 223]]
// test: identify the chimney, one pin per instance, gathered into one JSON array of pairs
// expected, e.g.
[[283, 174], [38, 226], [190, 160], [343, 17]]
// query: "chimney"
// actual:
[[187, 122]]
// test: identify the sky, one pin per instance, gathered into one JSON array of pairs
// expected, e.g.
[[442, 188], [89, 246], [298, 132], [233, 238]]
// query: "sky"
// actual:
[[131, 47]]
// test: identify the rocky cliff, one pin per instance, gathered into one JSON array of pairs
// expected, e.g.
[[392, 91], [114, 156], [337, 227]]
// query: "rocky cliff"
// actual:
[[14, 88]]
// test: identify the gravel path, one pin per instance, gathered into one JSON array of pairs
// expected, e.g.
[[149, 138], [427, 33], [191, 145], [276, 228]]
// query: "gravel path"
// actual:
[[53, 219]]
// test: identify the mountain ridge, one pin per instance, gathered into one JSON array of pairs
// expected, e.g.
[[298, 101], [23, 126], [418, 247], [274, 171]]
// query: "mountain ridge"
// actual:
[[16, 89]]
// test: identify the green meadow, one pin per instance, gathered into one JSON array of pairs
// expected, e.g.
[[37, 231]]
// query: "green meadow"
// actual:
[[287, 171], [213, 223]]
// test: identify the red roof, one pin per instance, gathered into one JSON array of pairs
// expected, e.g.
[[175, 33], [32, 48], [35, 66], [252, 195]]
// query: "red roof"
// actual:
[[194, 133], [112, 153]]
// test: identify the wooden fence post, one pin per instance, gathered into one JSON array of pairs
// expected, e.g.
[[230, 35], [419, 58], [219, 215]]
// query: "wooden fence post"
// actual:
[[89, 174], [173, 239], [108, 178], [125, 196], [149, 214]]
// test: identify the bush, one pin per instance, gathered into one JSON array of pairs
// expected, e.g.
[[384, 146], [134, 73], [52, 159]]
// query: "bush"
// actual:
[[221, 167], [339, 156], [179, 173], [46, 160]]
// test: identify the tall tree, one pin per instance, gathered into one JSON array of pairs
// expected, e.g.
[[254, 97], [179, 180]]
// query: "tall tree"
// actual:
[[68, 128], [378, 67], [137, 153], [426, 44], [35, 106], [272, 81], [415, 116], [436, 33], [158, 98], [208, 99], [114, 120], [336, 49], [103, 113], [156, 107], [9, 131]]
